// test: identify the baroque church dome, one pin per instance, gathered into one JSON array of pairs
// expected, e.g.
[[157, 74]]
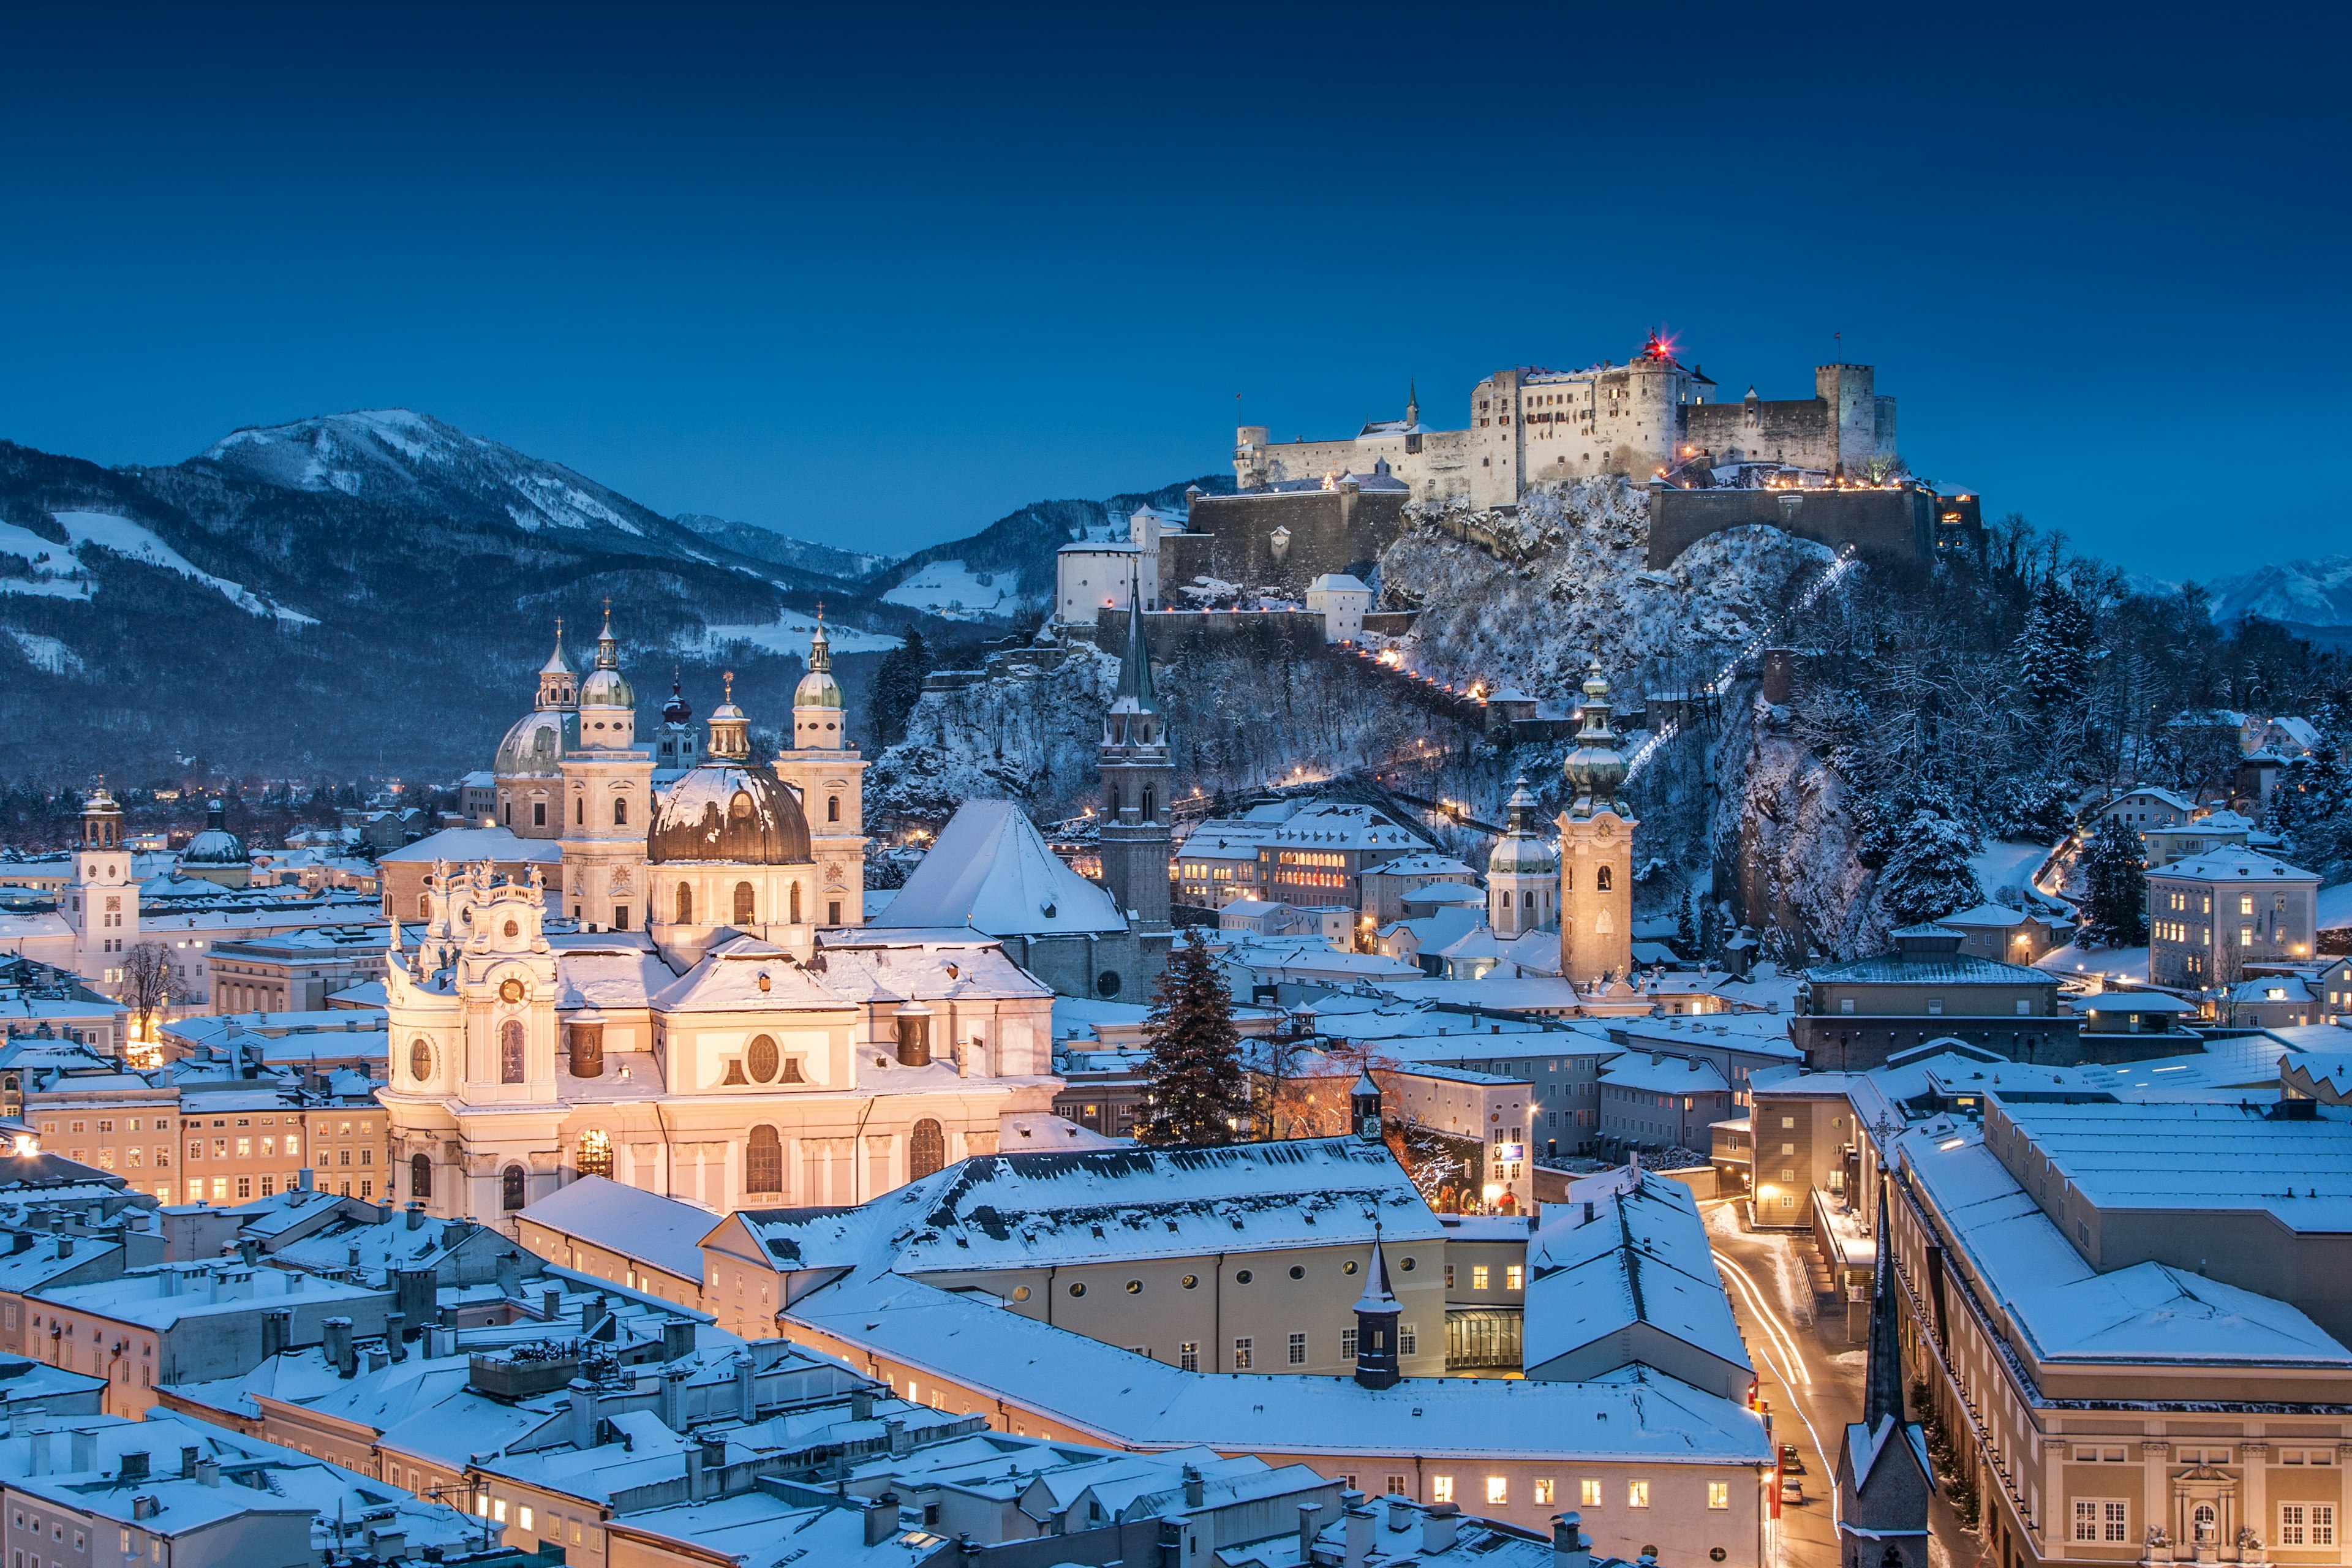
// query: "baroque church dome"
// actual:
[[1522, 850], [818, 689], [726, 810], [534, 748], [216, 846]]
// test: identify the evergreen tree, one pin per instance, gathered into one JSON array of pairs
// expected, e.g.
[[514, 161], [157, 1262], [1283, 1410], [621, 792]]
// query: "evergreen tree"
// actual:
[[1928, 875], [897, 686], [2117, 907], [1686, 927], [1195, 1071], [2053, 651]]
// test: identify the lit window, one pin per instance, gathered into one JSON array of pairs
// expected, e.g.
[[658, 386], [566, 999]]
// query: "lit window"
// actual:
[[1440, 1489], [1478, 1277], [1498, 1490], [1637, 1494], [523, 1517], [1718, 1494], [499, 1510], [1515, 1276]]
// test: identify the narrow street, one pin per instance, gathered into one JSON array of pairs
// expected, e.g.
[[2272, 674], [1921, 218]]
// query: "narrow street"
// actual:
[[1807, 1371]]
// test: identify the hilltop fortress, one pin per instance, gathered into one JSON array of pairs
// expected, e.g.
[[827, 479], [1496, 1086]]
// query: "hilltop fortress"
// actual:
[[1641, 418]]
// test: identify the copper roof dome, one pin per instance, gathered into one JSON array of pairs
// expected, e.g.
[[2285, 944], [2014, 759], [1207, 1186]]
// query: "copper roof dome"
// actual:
[[729, 811]]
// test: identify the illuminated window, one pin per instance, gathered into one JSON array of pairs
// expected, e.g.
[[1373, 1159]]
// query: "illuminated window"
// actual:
[[1637, 1494], [1543, 1493], [1718, 1494], [1478, 1272], [1498, 1490], [1515, 1276], [1440, 1489], [1587, 1494]]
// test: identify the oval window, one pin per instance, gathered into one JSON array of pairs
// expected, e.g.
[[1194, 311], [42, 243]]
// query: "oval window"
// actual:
[[1077, 1287], [1348, 1267], [1297, 1272], [761, 1058], [1134, 1287], [513, 929], [1020, 1292], [1406, 1265], [741, 806], [420, 1059], [1241, 1277], [1190, 1280]]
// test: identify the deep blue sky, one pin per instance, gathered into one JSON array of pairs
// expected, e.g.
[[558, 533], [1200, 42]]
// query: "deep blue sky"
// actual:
[[877, 275]]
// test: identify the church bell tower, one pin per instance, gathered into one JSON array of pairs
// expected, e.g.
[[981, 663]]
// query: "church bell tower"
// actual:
[[1596, 849], [824, 769], [1138, 776]]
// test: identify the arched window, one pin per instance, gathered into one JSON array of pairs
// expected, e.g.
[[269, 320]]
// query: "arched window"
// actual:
[[1150, 798], [1114, 803], [1528, 899], [763, 1162], [1601, 879], [511, 1051], [685, 905], [509, 810], [620, 811], [796, 903], [420, 1176], [593, 1155], [579, 809], [1568, 879], [587, 1051], [927, 1149], [510, 1188], [742, 903], [833, 808]]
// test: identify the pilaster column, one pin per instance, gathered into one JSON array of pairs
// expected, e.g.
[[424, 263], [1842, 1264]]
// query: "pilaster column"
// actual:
[[2156, 1494], [2255, 1515]]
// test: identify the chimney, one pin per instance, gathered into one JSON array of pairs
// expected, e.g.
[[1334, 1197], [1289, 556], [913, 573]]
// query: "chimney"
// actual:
[[673, 1396], [133, 1468], [416, 1213], [881, 1519], [340, 1351], [65, 1247], [746, 1400], [678, 1337], [36, 1454], [900, 1446], [84, 1450], [303, 1179], [1195, 1492], [582, 1397], [440, 1340], [510, 1274], [208, 1472], [1399, 1515], [393, 1323], [714, 1453], [592, 1316], [378, 1360], [143, 1508], [861, 1405], [351, 1256], [248, 1251], [1358, 1549], [413, 1294], [698, 1484], [277, 1330], [1437, 1527], [1588, 1211], [1569, 1547], [187, 1463], [1310, 1525]]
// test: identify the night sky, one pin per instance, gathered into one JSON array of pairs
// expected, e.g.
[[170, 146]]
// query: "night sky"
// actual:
[[877, 275]]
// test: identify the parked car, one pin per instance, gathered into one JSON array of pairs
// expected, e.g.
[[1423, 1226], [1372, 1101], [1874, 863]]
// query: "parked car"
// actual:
[[1791, 1490], [1792, 1463]]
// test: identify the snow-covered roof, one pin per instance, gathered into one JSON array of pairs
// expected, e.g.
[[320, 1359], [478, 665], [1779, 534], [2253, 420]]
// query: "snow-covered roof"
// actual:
[[1068, 1206], [1998, 916], [1090, 1387], [991, 870], [1345, 824], [1643, 1258], [2151, 793], [2231, 864], [1431, 864], [500, 845], [1929, 969], [2200, 1155], [665, 1232], [1338, 583], [1436, 893], [1651, 1072], [203, 1290]]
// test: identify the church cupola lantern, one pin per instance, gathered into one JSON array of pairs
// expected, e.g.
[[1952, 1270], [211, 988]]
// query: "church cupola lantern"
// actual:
[[730, 732]]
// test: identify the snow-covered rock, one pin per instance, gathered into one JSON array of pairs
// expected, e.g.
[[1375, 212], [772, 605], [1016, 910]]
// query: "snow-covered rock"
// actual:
[[2317, 593]]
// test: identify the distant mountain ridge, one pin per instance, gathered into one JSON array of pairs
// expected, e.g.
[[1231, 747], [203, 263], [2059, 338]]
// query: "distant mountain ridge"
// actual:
[[2314, 593], [369, 593]]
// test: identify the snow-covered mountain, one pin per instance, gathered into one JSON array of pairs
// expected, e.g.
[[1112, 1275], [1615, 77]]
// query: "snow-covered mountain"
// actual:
[[2317, 593], [801, 555]]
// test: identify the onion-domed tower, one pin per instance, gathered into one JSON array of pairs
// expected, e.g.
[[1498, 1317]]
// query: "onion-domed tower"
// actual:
[[677, 746], [822, 767], [1596, 849], [217, 855], [608, 790], [1522, 873], [528, 764], [728, 850]]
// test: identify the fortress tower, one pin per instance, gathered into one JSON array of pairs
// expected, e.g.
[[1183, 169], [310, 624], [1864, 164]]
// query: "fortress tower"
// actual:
[[1138, 776], [824, 768], [1596, 851]]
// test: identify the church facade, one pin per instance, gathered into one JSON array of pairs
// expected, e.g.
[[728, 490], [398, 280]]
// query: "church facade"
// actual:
[[688, 1003]]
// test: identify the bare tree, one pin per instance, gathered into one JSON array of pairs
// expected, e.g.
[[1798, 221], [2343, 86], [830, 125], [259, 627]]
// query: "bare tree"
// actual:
[[149, 985]]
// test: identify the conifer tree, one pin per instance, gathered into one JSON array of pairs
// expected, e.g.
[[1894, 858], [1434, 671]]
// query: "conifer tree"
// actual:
[[1686, 927], [2117, 906], [2053, 653], [1195, 1071], [1928, 875], [898, 685]]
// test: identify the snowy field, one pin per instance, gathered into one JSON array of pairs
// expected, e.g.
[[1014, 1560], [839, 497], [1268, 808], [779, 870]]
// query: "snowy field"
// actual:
[[946, 589], [2006, 864], [2115, 962], [790, 634], [58, 574]]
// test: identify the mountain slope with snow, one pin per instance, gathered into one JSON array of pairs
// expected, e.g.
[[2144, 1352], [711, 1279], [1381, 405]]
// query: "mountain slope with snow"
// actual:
[[2317, 593]]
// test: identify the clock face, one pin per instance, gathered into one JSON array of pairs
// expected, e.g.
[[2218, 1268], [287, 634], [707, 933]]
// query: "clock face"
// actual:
[[511, 990]]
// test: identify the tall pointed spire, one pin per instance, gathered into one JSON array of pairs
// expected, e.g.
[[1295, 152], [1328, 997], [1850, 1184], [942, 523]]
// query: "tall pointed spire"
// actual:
[[1882, 1381], [1135, 670], [1376, 1310], [1411, 403]]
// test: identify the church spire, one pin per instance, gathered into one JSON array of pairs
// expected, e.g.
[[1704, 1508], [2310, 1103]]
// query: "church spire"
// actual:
[[1135, 669], [1411, 403]]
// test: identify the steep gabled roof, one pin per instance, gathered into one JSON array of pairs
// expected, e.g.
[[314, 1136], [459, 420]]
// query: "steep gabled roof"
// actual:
[[991, 870]]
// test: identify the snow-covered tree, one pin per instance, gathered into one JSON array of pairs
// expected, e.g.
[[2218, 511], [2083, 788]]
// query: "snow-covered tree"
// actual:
[[1928, 875], [897, 686], [2053, 652], [1686, 925], [1195, 1071], [2116, 911]]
